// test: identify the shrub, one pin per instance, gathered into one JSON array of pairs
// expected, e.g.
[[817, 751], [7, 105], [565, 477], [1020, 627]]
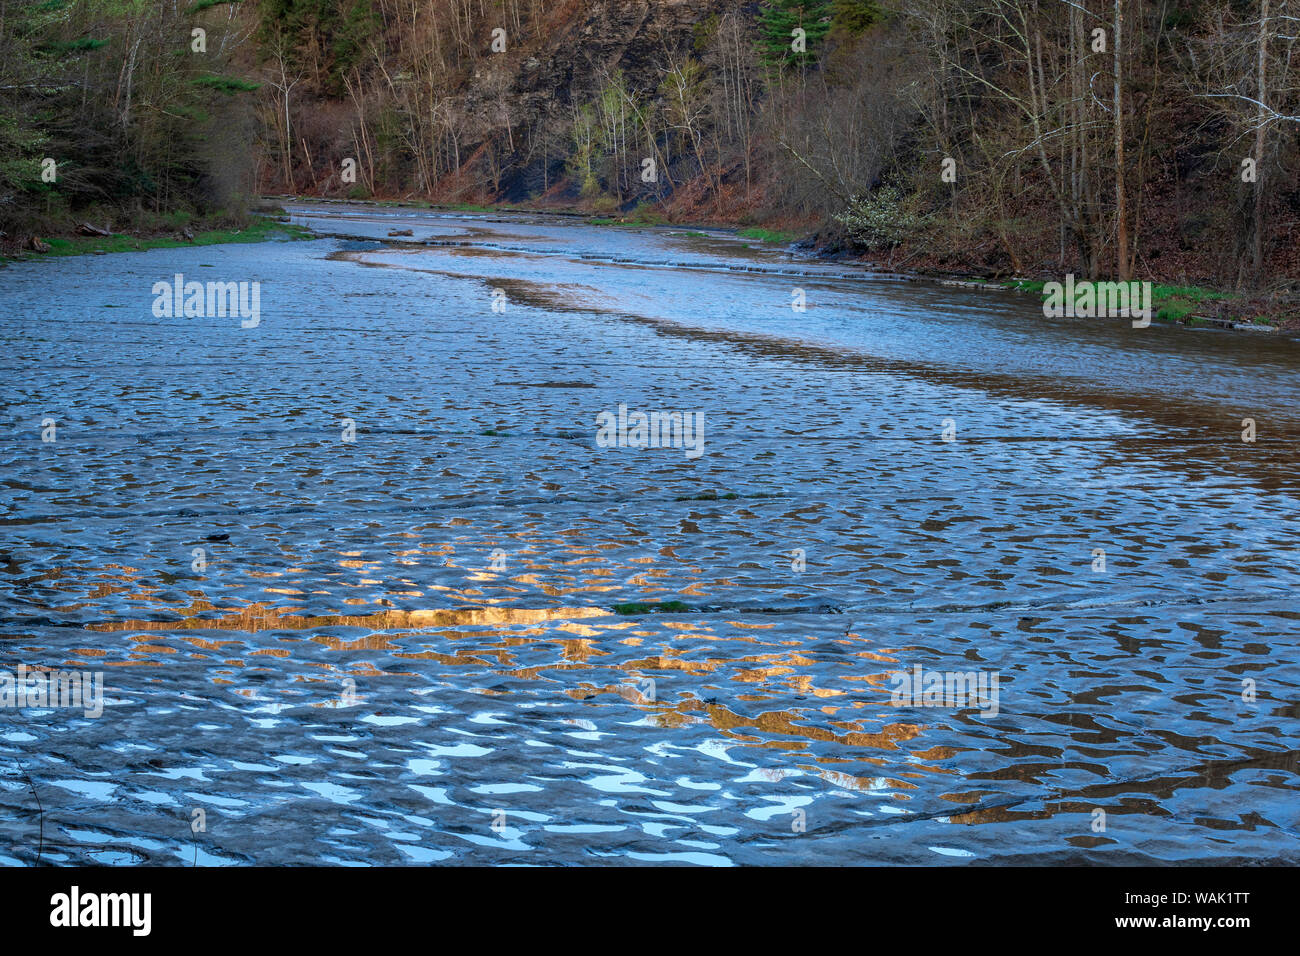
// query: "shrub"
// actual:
[[879, 220]]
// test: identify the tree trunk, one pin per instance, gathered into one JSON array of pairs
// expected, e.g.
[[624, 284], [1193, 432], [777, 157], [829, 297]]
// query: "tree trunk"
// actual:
[[1121, 205], [1261, 93]]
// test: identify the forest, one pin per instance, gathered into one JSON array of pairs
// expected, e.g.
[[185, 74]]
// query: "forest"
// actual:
[[1152, 139]]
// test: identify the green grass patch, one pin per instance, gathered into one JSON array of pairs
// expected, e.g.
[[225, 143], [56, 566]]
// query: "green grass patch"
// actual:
[[1175, 310], [1191, 292], [1169, 303], [260, 229], [1026, 285], [1175, 303], [768, 235]]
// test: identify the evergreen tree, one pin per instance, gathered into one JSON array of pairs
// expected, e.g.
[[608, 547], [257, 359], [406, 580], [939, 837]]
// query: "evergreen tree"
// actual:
[[854, 17], [337, 31], [777, 21]]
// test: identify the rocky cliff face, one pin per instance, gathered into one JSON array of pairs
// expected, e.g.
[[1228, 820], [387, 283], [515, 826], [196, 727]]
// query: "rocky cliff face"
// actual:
[[520, 103]]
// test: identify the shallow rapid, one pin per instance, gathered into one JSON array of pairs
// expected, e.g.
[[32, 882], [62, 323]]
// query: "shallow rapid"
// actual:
[[365, 588]]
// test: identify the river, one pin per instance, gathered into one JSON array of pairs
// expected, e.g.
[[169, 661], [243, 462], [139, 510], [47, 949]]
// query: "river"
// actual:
[[365, 587]]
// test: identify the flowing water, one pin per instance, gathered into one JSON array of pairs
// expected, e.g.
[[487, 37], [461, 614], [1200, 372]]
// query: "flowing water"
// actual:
[[351, 575]]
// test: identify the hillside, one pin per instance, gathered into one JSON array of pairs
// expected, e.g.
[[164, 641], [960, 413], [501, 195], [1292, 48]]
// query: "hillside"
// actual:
[[991, 137]]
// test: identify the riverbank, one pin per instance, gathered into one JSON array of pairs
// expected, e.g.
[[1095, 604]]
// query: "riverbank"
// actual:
[[261, 227], [1174, 299], [1174, 305], [1171, 303]]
